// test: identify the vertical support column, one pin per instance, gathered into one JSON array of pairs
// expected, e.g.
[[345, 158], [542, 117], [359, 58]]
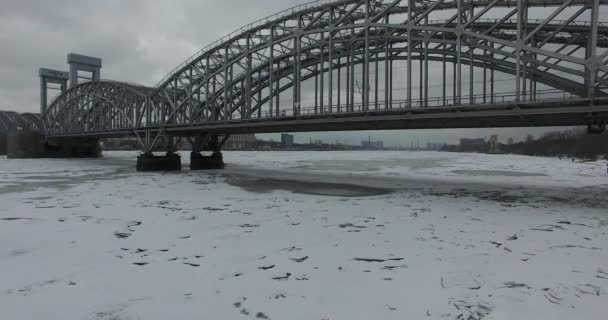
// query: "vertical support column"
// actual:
[[471, 56], [458, 78], [230, 103], [297, 73], [148, 147], [330, 59], [522, 16], [227, 83], [471, 78], [271, 75], [322, 85], [409, 53], [249, 67], [278, 97], [339, 96], [97, 75], [485, 75], [73, 77], [259, 103], [386, 73], [316, 71], [48, 76], [195, 111], [376, 80], [524, 56], [492, 67], [458, 65], [348, 84], [421, 80], [173, 111], [213, 101], [207, 80], [79, 62], [43, 95], [524, 90], [454, 71], [444, 75], [531, 68], [352, 74], [426, 67], [366, 60], [591, 51], [189, 111], [392, 78]]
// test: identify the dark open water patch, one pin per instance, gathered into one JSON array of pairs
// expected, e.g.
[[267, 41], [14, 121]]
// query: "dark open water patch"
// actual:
[[585, 197], [306, 187], [490, 173], [373, 165]]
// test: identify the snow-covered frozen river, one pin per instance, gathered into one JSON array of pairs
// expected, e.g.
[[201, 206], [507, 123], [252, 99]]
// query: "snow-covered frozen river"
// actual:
[[305, 235]]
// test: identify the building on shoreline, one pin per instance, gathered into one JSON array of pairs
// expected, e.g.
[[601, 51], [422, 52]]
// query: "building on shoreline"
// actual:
[[374, 145], [287, 140], [241, 142]]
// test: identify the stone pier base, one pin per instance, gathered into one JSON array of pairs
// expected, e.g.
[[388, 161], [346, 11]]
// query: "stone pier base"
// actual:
[[24, 145], [150, 162], [21, 144], [73, 148], [212, 162], [2, 144]]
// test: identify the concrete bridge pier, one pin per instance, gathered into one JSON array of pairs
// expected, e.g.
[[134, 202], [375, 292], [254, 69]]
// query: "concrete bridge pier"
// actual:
[[24, 144], [147, 162], [200, 162], [209, 143], [73, 148], [2, 144]]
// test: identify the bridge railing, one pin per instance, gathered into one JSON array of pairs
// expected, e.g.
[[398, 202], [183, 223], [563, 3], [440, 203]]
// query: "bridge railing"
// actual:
[[580, 23], [242, 30], [436, 103]]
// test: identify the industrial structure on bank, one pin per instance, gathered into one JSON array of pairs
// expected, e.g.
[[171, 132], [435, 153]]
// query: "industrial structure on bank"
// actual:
[[252, 80]]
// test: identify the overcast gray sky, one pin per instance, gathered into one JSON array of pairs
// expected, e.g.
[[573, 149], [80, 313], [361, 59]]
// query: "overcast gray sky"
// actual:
[[141, 41]]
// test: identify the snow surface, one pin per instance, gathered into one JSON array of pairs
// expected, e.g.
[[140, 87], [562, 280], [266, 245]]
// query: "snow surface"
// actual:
[[305, 235]]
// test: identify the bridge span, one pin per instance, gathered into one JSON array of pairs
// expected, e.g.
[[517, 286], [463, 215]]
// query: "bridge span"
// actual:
[[361, 65]]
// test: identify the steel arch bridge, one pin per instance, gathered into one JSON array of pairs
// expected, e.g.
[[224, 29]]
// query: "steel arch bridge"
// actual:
[[10, 120], [368, 64]]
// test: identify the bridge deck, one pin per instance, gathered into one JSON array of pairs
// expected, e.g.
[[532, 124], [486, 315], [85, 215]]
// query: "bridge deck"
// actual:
[[541, 114]]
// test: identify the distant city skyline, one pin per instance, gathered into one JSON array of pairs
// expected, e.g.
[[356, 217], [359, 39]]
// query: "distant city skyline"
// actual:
[[405, 137]]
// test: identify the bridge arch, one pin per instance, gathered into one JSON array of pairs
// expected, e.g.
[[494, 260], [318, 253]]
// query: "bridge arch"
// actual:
[[11, 120], [207, 88], [97, 106], [245, 75], [565, 85]]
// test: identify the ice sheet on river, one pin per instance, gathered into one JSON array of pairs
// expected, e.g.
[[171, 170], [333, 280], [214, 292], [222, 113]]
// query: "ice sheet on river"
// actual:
[[314, 235]]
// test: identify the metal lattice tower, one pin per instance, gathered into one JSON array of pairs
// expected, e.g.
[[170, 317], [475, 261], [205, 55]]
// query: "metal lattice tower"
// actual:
[[48, 76], [78, 63]]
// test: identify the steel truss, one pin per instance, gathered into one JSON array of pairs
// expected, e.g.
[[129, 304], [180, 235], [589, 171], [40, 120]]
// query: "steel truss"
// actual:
[[349, 50], [10, 120]]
